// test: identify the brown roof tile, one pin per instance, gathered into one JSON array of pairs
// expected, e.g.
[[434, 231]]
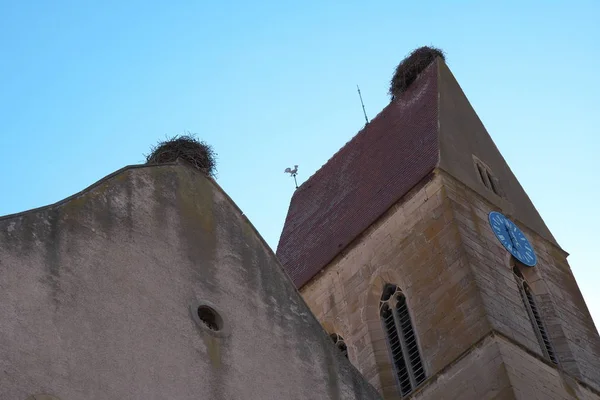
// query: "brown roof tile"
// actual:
[[395, 151]]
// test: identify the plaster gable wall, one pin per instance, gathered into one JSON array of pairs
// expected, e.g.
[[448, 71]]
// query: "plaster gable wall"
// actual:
[[95, 295]]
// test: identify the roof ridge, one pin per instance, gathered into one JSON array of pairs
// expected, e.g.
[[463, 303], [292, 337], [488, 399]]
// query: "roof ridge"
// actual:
[[100, 181]]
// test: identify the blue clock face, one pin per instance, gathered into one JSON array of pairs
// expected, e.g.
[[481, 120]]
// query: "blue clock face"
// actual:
[[512, 238]]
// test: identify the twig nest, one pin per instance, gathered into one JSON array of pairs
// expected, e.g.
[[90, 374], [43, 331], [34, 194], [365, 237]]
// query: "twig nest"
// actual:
[[187, 147], [409, 69]]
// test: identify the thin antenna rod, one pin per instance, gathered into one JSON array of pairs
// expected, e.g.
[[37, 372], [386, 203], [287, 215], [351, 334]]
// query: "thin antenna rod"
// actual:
[[363, 105]]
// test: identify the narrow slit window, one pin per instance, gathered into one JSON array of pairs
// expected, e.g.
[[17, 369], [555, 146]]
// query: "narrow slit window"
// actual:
[[401, 339], [481, 171], [492, 183], [487, 177], [535, 317]]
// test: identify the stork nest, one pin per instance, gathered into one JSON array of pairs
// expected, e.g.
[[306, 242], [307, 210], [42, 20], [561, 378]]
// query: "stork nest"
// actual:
[[187, 147], [409, 69]]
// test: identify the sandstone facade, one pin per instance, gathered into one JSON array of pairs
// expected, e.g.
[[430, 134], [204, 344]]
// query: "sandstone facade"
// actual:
[[474, 333]]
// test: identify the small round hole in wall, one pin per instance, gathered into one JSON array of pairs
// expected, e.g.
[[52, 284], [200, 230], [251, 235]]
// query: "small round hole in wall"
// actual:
[[210, 318]]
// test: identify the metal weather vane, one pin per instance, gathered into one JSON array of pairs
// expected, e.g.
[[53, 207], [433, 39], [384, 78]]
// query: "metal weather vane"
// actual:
[[293, 173]]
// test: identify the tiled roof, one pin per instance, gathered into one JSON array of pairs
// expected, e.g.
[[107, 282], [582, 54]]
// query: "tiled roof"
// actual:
[[395, 151]]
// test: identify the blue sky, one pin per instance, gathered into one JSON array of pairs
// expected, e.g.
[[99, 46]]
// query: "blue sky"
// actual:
[[86, 87]]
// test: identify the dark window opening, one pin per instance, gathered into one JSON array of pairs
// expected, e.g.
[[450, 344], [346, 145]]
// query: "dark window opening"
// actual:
[[487, 178], [401, 339], [535, 317], [339, 343], [210, 318], [493, 186], [410, 340], [481, 174]]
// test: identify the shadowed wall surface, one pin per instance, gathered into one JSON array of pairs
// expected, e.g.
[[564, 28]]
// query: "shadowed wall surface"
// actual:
[[95, 296]]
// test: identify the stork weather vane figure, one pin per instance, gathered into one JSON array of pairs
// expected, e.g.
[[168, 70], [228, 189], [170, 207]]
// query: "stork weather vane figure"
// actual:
[[293, 172]]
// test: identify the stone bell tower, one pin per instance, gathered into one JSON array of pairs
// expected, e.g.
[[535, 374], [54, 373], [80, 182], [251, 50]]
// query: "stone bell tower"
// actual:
[[391, 246]]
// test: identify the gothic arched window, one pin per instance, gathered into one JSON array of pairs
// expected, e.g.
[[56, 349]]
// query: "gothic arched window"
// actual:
[[339, 343], [401, 339], [534, 316]]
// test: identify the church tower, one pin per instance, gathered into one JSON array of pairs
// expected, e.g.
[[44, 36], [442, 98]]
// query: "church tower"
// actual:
[[422, 255]]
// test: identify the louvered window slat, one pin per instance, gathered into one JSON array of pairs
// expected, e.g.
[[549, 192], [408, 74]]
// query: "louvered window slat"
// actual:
[[402, 342], [539, 324], [534, 315]]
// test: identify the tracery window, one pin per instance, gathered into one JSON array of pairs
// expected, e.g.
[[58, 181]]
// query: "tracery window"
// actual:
[[401, 339], [339, 343]]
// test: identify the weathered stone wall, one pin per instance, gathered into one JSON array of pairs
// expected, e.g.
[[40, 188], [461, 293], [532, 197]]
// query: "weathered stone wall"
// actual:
[[532, 378], [496, 368], [436, 245], [479, 374], [95, 295], [568, 321], [417, 247], [462, 135]]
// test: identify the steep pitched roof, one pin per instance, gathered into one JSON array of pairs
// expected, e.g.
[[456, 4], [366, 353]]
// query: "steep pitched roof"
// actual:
[[395, 151]]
